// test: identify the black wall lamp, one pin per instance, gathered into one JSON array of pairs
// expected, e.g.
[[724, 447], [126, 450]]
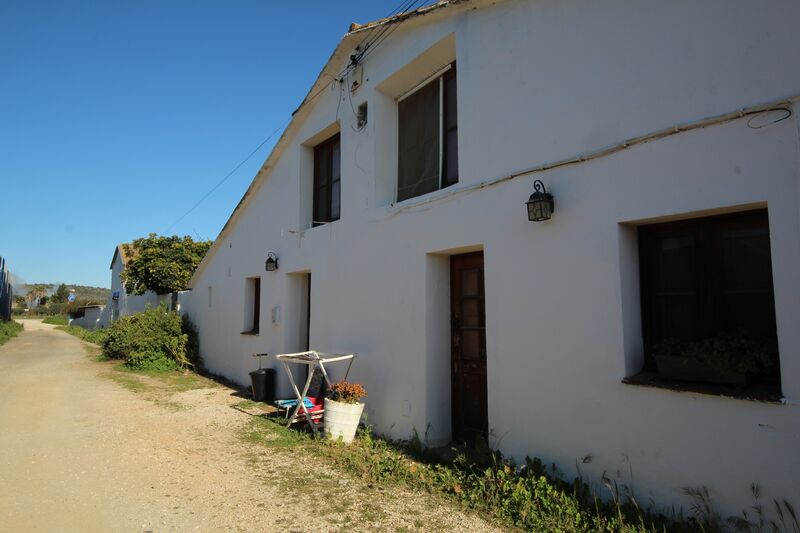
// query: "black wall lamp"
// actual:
[[271, 264], [541, 204]]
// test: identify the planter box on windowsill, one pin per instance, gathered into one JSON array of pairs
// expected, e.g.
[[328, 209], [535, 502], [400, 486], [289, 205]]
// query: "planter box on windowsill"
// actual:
[[675, 367]]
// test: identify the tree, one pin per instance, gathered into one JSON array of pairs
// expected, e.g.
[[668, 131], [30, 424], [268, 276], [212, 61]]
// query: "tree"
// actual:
[[61, 294], [161, 264], [35, 293]]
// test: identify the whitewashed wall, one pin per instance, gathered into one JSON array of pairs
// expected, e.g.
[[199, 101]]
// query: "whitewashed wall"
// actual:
[[91, 320], [540, 81]]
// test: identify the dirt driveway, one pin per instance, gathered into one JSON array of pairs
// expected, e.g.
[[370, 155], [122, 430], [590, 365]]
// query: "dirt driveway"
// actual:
[[82, 452]]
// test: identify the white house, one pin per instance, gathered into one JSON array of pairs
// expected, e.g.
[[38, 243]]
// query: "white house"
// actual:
[[120, 303], [395, 203]]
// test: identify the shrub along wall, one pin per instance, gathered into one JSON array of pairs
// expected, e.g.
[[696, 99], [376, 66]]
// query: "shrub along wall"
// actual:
[[156, 339]]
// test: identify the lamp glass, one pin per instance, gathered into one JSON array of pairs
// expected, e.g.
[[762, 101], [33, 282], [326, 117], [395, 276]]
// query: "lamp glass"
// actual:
[[540, 207]]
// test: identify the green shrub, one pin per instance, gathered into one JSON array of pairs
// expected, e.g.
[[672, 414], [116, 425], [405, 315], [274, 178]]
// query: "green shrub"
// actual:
[[156, 339], [57, 320], [150, 360], [8, 330]]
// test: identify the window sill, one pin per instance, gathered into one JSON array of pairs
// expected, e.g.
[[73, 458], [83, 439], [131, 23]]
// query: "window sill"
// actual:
[[427, 197], [757, 392], [253, 333]]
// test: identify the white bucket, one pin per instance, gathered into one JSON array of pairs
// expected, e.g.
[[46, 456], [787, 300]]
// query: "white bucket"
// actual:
[[341, 419]]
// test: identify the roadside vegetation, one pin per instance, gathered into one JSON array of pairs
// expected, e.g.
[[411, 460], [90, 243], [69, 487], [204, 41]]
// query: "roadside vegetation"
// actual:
[[155, 340], [95, 337], [8, 330], [531, 496], [56, 320]]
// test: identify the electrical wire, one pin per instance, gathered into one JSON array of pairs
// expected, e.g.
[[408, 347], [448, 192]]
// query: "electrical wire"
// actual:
[[783, 105], [388, 30], [228, 175], [370, 38], [366, 45], [389, 26]]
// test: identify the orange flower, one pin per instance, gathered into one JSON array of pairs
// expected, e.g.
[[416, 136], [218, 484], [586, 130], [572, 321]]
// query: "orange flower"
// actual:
[[346, 392]]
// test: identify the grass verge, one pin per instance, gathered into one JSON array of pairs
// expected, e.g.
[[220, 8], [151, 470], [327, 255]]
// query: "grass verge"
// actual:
[[9, 330], [56, 320], [531, 496], [95, 337]]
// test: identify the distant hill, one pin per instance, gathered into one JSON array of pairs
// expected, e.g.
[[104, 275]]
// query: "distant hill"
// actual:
[[95, 294], [98, 294]]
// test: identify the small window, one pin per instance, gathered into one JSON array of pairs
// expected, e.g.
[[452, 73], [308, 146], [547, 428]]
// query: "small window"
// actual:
[[252, 306], [327, 181], [708, 311], [428, 137]]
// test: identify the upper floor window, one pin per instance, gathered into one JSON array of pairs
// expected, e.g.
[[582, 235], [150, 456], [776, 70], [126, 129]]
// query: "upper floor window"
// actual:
[[428, 137], [327, 181], [708, 311]]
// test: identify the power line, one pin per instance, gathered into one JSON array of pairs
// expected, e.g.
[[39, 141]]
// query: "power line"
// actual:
[[369, 43], [386, 34], [229, 174]]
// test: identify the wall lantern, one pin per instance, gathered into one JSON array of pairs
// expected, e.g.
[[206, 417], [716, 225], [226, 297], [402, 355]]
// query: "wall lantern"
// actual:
[[271, 264], [540, 205]]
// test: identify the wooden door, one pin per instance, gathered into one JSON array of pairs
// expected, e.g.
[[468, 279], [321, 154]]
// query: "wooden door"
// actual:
[[468, 347]]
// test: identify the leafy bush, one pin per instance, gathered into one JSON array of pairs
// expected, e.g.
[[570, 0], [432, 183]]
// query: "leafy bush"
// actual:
[[156, 339], [347, 392], [161, 264], [57, 320], [8, 330], [150, 360]]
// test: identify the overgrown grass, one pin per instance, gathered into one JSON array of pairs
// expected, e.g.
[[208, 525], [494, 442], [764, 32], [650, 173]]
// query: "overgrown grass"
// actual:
[[528, 496], [95, 337], [8, 330], [56, 320]]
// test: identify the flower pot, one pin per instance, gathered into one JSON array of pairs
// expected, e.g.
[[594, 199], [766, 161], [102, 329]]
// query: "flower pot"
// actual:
[[674, 367], [341, 419]]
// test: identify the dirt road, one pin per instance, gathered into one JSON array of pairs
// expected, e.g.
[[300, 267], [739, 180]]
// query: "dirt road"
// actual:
[[82, 452]]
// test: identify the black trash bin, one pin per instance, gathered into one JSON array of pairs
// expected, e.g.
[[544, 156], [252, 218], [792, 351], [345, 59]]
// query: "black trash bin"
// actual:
[[263, 381]]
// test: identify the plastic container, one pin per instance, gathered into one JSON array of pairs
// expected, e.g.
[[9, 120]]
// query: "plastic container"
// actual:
[[263, 382], [341, 419]]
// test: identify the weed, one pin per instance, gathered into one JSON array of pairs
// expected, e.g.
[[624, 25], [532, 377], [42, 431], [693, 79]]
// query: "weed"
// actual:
[[531, 497], [8, 330], [95, 337], [56, 320]]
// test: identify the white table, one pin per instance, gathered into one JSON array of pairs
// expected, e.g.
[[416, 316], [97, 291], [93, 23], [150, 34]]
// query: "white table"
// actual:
[[313, 359]]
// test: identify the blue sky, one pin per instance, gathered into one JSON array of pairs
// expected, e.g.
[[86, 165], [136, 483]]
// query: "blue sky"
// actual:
[[116, 117]]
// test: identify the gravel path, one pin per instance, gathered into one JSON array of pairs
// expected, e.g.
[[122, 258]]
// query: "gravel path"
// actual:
[[81, 452]]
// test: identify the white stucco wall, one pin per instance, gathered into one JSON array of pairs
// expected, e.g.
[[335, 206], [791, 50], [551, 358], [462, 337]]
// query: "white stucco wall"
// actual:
[[537, 82], [91, 320]]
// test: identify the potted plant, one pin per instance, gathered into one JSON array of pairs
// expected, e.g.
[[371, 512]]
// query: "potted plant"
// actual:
[[343, 410], [725, 359]]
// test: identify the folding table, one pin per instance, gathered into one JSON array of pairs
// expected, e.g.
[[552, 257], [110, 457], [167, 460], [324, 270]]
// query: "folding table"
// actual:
[[312, 359]]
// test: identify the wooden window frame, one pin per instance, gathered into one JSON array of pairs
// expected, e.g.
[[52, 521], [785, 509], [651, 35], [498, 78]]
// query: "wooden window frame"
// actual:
[[708, 266], [323, 194], [253, 315], [444, 76]]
